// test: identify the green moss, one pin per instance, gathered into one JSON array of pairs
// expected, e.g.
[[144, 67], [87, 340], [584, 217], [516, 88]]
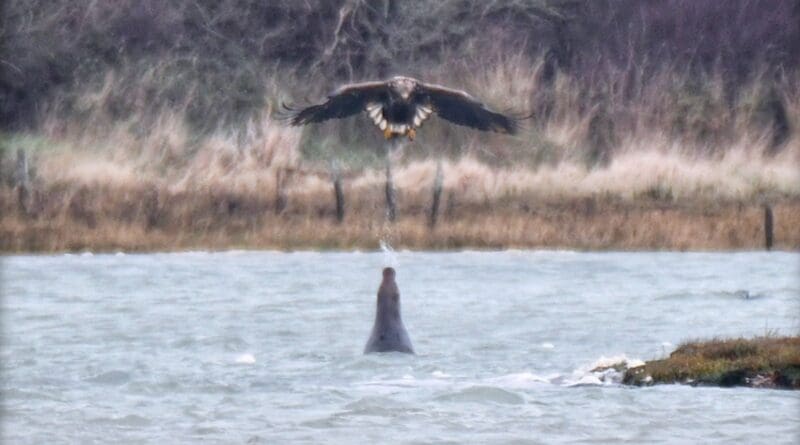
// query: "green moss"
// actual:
[[762, 361]]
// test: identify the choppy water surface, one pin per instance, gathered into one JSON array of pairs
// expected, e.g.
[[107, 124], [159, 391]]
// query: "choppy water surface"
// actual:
[[264, 347]]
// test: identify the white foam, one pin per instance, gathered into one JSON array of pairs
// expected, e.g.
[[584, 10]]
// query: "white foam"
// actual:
[[606, 362], [405, 381], [587, 380], [522, 380], [440, 375], [245, 359], [547, 345], [602, 371]]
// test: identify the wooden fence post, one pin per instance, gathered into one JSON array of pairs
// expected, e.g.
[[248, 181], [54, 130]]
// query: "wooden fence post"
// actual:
[[437, 194], [338, 193], [768, 223], [151, 209], [21, 180], [391, 198], [280, 193]]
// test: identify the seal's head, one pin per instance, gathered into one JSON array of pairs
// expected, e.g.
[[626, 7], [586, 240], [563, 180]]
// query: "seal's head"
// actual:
[[388, 293]]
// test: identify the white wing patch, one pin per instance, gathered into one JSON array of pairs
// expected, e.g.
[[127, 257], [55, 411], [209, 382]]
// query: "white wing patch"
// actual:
[[375, 112], [422, 113]]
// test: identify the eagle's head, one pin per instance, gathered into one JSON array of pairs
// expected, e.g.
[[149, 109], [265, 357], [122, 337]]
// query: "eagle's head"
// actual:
[[404, 86]]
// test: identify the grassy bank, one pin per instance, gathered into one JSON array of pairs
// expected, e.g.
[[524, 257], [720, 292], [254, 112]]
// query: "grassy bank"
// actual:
[[569, 226], [480, 208], [768, 362]]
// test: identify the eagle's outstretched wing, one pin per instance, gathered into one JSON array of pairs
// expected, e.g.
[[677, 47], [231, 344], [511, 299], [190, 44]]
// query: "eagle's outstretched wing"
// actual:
[[460, 108], [345, 101]]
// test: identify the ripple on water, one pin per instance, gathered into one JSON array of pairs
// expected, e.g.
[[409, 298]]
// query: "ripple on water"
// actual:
[[112, 378], [523, 380], [163, 387], [207, 430], [19, 394], [219, 388], [482, 394], [184, 343], [230, 343], [376, 406], [130, 421]]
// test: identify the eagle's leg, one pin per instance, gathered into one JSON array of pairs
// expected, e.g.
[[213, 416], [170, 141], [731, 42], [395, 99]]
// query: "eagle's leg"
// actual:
[[412, 133], [387, 133]]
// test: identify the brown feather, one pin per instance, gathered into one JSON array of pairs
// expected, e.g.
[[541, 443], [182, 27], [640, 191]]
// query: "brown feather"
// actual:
[[345, 101], [461, 108]]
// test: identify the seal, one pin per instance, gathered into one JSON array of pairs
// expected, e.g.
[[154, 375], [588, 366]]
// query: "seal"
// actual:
[[388, 332]]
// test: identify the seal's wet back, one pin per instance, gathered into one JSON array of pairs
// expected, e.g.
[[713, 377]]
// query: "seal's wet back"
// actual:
[[388, 332]]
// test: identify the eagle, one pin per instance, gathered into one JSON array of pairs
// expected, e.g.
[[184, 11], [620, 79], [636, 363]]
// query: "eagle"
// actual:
[[398, 107]]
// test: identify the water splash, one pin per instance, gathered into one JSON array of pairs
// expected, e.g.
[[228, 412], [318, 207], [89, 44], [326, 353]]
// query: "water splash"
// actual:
[[389, 254], [604, 371]]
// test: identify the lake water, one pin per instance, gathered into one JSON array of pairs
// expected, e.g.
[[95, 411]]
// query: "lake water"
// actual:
[[266, 347]]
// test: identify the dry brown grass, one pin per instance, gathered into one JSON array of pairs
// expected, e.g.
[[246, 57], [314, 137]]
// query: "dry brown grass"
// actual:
[[164, 192], [668, 167], [66, 217]]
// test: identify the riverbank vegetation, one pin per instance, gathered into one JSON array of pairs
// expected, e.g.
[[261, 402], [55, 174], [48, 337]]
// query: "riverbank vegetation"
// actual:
[[764, 362], [150, 125]]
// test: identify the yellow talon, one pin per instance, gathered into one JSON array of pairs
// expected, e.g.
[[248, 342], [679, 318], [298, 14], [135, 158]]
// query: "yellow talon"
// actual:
[[412, 133], [387, 133]]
